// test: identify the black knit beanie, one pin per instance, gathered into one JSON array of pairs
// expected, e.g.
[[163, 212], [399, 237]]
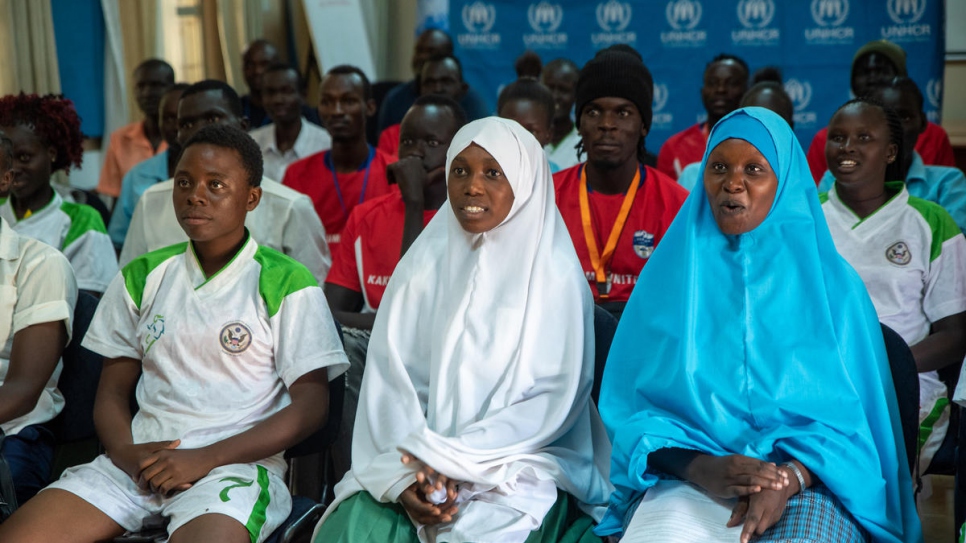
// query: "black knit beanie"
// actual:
[[616, 72]]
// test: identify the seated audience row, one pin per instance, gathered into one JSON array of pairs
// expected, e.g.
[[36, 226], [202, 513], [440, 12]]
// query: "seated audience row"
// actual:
[[428, 296]]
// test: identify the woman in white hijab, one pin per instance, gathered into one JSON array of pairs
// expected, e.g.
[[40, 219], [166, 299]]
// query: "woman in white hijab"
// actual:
[[475, 421]]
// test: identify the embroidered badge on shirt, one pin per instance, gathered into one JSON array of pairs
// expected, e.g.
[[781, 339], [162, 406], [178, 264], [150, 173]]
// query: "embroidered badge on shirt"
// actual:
[[898, 253], [235, 338], [643, 244], [155, 331]]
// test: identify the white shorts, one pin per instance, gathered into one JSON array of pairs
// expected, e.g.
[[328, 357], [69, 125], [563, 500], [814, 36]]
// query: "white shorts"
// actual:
[[933, 417], [248, 493]]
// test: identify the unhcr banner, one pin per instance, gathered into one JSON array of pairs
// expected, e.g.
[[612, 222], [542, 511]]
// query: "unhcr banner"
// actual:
[[812, 41]]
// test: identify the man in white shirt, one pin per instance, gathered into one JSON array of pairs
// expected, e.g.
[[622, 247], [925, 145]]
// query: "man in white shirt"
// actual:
[[285, 220], [290, 136]]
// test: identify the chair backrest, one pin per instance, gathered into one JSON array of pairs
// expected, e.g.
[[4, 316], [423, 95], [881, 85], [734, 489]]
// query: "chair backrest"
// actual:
[[905, 376], [605, 325], [325, 436], [79, 378]]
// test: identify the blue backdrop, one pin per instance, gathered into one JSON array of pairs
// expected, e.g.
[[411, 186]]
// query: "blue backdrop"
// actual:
[[79, 34], [813, 42]]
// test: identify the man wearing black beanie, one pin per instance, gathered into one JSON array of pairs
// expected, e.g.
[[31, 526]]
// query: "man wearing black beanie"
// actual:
[[616, 208]]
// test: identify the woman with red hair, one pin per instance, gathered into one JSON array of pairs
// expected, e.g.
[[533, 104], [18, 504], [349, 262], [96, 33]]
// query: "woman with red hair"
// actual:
[[46, 136]]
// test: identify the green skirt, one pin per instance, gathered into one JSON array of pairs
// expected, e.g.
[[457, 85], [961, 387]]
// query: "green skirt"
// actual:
[[362, 519]]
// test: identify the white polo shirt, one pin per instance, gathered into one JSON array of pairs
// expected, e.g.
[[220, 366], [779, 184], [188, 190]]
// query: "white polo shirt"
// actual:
[[311, 139], [284, 220], [78, 231], [36, 286], [218, 354], [564, 154], [911, 256]]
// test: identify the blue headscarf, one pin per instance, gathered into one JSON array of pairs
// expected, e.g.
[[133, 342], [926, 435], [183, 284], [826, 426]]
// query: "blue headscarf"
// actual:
[[764, 344]]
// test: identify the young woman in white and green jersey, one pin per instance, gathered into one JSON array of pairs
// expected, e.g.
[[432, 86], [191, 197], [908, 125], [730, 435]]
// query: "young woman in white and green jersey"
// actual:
[[908, 251], [229, 347]]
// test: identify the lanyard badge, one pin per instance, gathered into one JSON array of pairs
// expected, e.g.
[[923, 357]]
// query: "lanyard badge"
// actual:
[[600, 262]]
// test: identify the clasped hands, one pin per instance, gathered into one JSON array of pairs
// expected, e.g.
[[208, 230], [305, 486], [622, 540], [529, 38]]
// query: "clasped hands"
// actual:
[[762, 489], [160, 466], [415, 498]]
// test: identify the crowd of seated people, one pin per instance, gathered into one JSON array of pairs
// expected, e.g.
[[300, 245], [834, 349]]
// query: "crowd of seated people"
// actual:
[[260, 246]]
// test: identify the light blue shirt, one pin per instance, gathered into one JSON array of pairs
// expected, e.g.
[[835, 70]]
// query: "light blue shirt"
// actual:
[[940, 184], [140, 178], [690, 176]]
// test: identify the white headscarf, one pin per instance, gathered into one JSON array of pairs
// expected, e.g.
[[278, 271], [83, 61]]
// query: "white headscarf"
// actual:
[[481, 361]]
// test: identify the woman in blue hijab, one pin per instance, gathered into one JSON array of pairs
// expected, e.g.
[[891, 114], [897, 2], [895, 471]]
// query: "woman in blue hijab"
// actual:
[[747, 390]]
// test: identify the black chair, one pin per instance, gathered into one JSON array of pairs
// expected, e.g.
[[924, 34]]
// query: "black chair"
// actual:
[[605, 326], [905, 377], [950, 459], [89, 197], [73, 429]]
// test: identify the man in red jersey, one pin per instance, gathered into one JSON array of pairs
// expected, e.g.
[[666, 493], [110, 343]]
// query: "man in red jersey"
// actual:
[[725, 82], [352, 171], [616, 209]]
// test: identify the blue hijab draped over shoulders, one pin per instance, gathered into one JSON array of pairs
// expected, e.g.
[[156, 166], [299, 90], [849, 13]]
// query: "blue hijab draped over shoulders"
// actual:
[[764, 344]]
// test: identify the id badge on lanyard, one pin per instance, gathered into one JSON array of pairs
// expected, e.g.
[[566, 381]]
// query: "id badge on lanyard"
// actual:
[[601, 262]]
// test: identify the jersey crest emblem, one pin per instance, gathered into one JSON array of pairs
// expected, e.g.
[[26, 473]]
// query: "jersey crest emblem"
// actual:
[[155, 330], [898, 253], [643, 244], [235, 338]]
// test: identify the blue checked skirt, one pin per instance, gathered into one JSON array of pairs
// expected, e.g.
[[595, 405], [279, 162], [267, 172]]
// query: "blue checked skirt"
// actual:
[[815, 516], [812, 516]]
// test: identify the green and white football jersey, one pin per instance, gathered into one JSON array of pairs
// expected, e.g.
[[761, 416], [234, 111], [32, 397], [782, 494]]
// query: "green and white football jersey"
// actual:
[[76, 230], [218, 354], [911, 256]]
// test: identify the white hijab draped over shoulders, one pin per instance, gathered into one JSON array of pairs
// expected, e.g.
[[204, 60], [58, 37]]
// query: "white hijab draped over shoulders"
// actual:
[[481, 360]]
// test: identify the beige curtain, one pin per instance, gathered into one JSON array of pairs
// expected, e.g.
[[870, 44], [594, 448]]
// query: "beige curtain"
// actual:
[[29, 62], [140, 40], [232, 25], [238, 23]]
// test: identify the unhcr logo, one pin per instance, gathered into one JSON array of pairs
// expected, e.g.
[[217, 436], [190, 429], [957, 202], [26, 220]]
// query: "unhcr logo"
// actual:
[[801, 94], [906, 12], [545, 18], [830, 15], [613, 18], [934, 92], [660, 118], [479, 18], [756, 13], [755, 16], [907, 15], [684, 16]]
